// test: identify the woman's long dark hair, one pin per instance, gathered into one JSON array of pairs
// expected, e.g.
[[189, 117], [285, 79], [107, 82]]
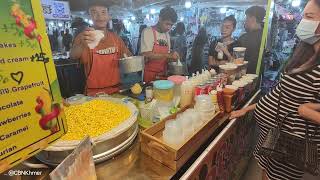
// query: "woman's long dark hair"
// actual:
[[304, 58], [197, 50]]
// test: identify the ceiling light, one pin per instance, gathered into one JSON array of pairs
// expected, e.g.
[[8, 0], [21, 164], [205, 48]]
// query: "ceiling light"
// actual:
[[223, 10], [188, 4], [296, 3], [152, 11], [125, 21]]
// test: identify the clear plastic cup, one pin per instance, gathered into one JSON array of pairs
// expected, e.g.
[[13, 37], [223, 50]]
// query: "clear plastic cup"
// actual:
[[196, 118], [186, 124], [173, 133]]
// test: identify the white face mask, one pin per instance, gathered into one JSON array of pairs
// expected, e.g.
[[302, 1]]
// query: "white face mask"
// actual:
[[306, 31]]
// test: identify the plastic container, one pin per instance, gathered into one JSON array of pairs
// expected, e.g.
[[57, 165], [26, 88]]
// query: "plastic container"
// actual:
[[213, 73], [254, 77], [241, 90], [163, 90], [186, 93], [187, 126], [244, 68], [230, 71], [146, 113], [196, 118], [206, 115], [238, 73], [239, 54], [246, 88], [173, 133], [204, 102], [177, 80], [229, 94], [250, 84], [205, 107]]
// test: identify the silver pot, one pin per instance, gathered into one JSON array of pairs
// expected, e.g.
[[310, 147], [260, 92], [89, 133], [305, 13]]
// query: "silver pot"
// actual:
[[105, 146], [132, 64], [174, 69]]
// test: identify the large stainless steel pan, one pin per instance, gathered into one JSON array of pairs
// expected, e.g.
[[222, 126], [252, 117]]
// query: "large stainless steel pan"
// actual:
[[105, 146], [132, 64]]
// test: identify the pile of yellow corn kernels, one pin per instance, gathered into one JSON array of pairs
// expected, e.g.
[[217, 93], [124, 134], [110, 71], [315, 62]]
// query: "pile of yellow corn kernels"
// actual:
[[93, 118]]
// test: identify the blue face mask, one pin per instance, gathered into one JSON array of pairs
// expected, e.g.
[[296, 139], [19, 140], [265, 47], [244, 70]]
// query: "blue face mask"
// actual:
[[306, 31]]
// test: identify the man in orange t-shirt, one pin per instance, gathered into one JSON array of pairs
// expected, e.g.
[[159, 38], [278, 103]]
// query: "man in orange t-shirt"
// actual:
[[101, 63]]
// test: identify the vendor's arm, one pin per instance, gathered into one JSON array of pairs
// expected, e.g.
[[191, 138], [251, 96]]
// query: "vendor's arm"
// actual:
[[81, 43], [242, 112], [310, 111], [147, 42]]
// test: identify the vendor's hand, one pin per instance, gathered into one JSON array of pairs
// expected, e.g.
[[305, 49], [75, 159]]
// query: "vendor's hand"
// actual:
[[174, 56], [87, 36], [238, 114], [224, 49]]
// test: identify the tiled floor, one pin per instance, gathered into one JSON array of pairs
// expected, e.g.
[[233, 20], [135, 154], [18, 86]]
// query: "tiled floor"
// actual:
[[253, 171]]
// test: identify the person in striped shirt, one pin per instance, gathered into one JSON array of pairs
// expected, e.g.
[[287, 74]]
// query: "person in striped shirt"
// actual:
[[298, 93]]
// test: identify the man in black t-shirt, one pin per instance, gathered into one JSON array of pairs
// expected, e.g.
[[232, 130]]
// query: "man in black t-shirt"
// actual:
[[252, 39]]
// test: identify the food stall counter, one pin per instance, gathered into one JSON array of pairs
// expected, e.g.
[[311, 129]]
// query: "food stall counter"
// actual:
[[131, 163]]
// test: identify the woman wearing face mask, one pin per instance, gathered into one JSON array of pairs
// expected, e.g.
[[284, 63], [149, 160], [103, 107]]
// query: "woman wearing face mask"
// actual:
[[298, 93]]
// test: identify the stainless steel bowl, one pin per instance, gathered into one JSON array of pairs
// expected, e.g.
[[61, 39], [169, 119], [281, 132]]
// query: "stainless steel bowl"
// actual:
[[132, 64], [105, 146], [174, 69]]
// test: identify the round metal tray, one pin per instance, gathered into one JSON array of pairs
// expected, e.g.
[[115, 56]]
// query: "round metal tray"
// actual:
[[105, 146], [54, 158]]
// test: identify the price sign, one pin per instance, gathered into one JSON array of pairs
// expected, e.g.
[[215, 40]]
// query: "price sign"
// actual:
[[31, 112]]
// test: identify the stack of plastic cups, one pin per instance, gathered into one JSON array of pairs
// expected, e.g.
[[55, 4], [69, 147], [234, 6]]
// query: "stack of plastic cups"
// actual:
[[205, 107], [173, 133], [186, 123], [249, 80], [254, 77], [196, 118], [241, 90]]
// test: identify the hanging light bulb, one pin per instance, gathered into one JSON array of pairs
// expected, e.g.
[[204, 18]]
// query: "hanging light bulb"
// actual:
[[188, 4], [223, 10], [296, 3], [125, 21], [152, 11]]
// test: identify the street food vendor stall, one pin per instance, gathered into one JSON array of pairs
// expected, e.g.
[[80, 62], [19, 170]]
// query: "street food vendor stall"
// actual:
[[153, 130]]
